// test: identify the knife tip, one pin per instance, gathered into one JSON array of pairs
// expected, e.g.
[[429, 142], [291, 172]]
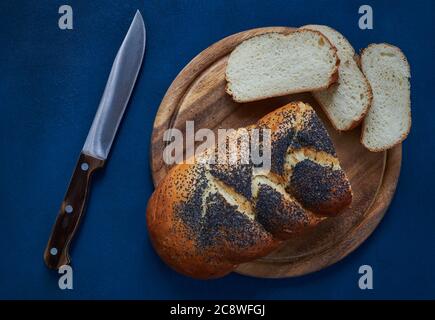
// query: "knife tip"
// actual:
[[138, 15], [138, 24]]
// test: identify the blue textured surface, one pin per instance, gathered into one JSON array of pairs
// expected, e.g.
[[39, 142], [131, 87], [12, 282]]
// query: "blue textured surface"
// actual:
[[50, 85]]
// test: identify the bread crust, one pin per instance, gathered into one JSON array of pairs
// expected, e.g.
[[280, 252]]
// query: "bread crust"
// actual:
[[201, 224], [404, 135], [333, 77]]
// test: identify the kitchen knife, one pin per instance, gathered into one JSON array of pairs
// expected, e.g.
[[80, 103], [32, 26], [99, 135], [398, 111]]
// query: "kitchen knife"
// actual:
[[116, 94]]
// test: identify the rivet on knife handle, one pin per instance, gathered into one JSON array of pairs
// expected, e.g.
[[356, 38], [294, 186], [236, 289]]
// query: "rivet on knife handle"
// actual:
[[71, 211]]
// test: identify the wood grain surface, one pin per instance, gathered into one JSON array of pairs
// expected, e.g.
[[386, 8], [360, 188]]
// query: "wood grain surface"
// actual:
[[198, 93]]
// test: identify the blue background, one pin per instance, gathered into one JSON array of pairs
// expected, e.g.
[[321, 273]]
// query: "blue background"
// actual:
[[50, 85]]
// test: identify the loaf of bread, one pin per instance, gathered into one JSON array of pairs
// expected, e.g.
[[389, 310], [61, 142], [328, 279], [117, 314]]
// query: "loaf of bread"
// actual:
[[388, 121], [204, 219], [347, 102], [277, 64]]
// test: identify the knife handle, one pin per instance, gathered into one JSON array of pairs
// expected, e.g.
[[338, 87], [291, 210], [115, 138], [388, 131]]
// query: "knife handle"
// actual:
[[71, 211]]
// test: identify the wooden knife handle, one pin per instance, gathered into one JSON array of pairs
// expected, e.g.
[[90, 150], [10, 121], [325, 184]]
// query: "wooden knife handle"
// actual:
[[71, 211]]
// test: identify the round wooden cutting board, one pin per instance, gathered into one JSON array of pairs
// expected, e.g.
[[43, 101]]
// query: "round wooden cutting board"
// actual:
[[198, 93]]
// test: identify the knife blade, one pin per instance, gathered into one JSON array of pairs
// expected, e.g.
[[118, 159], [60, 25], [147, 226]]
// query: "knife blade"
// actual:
[[98, 143]]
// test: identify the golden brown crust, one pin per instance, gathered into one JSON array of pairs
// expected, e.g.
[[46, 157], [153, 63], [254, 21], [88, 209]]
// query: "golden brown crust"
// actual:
[[198, 224], [333, 78], [181, 247]]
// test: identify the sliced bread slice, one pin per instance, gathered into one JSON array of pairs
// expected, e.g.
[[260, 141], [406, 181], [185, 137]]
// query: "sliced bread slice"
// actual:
[[276, 64], [388, 121], [347, 102]]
